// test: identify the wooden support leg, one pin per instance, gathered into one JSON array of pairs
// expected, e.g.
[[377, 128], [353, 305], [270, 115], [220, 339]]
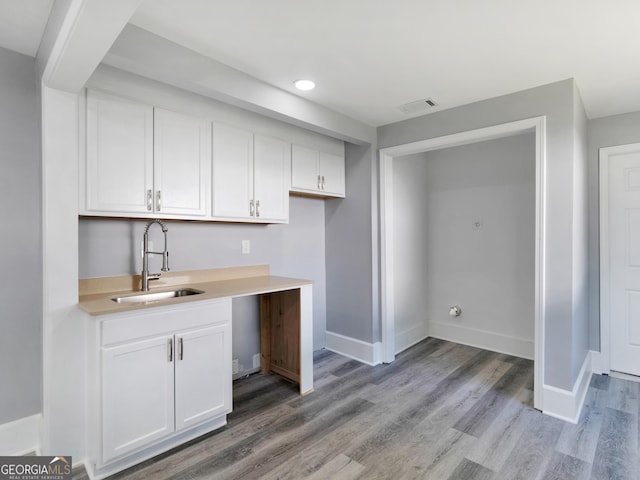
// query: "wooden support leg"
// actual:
[[286, 335]]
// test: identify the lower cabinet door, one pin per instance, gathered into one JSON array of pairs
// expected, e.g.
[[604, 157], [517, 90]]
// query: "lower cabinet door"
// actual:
[[203, 374], [138, 400]]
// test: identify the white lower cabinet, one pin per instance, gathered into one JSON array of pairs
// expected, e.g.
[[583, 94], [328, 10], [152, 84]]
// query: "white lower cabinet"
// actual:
[[203, 361], [164, 377], [137, 388]]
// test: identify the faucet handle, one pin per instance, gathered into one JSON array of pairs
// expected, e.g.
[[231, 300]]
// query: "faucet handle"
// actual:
[[165, 261]]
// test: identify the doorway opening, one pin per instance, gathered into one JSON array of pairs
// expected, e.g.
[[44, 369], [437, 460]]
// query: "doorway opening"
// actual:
[[388, 220]]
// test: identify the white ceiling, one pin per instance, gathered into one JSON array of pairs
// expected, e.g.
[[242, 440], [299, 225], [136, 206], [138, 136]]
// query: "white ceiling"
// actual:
[[22, 23], [368, 57]]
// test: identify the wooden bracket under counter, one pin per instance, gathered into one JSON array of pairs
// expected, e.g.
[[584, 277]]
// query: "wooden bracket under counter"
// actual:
[[280, 333]]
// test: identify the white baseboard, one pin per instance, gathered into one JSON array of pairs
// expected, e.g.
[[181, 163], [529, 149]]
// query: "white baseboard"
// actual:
[[518, 347], [411, 336], [598, 363], [21, 436], [369, 353], [564, 404]]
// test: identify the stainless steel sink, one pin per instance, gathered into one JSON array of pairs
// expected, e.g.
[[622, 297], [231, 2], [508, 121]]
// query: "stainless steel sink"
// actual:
[[156, 296]]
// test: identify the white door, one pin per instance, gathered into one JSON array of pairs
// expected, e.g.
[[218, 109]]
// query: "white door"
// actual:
[[138, 402], [119, 155], [621, 235], [182, 155], [272, 166], [232, 187], [203, 374]]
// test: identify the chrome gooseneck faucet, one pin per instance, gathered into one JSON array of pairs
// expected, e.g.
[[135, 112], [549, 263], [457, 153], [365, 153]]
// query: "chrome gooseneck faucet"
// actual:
[[146, 276]]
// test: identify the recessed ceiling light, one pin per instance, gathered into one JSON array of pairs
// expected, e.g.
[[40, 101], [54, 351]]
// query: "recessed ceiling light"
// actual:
[[304, 84]]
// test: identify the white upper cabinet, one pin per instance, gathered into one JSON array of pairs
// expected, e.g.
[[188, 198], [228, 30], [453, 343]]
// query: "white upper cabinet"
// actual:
[[232, 172], [317, 173], [271, 165], [250, 176], [331, 172], [119, 165], [304, 169], [144, 161], [149, 162], [182, 155]]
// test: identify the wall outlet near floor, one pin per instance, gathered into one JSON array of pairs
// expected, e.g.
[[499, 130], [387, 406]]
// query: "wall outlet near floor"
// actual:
[[256, 360], [235, 366], [246, 246]]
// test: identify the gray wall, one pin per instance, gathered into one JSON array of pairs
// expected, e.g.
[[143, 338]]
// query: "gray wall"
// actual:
[[351, 306], [602, 132], [556, 102], [410, 249], [441, 260], [580, 250], [21, 252], [110, 247]]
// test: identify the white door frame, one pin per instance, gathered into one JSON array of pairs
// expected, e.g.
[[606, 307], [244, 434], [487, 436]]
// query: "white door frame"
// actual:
[[537, 125], [605, 273]]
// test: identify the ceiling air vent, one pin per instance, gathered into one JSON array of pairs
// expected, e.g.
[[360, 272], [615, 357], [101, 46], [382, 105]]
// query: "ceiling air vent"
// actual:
[[418, 106]]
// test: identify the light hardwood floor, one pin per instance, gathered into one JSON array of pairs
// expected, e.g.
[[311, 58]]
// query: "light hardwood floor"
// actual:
[[440, 411]]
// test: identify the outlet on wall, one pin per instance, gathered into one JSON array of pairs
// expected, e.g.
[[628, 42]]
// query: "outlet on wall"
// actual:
[[246, 246], [235, 366], [256, 360]]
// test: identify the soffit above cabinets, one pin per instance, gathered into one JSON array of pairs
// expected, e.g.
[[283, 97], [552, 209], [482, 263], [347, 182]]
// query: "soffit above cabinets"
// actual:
[[22, 24]]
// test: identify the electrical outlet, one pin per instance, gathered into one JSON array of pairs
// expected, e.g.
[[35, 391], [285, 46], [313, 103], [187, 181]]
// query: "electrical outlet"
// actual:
[[246, 246], [256, 360], [235, 366]]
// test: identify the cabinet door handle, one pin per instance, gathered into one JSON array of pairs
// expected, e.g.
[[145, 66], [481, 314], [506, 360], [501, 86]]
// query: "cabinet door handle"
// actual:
[[170, 346], [251, 209], [319, 184], [180, 349], [322, 182], [158, 200], [149, 198], [257, 208]]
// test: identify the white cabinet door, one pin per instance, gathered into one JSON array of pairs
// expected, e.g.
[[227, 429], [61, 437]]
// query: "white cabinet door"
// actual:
[[232, 172], [137, 395], [304, 169], [332, 178], [317, 173], [203, 374], [119, 164], [272, 164], [182, 154]]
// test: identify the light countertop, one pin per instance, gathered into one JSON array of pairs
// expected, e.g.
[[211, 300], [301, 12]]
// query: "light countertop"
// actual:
[[96, 294]]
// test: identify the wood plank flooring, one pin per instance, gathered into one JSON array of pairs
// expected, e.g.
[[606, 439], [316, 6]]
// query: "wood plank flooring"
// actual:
[[440, 411]]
